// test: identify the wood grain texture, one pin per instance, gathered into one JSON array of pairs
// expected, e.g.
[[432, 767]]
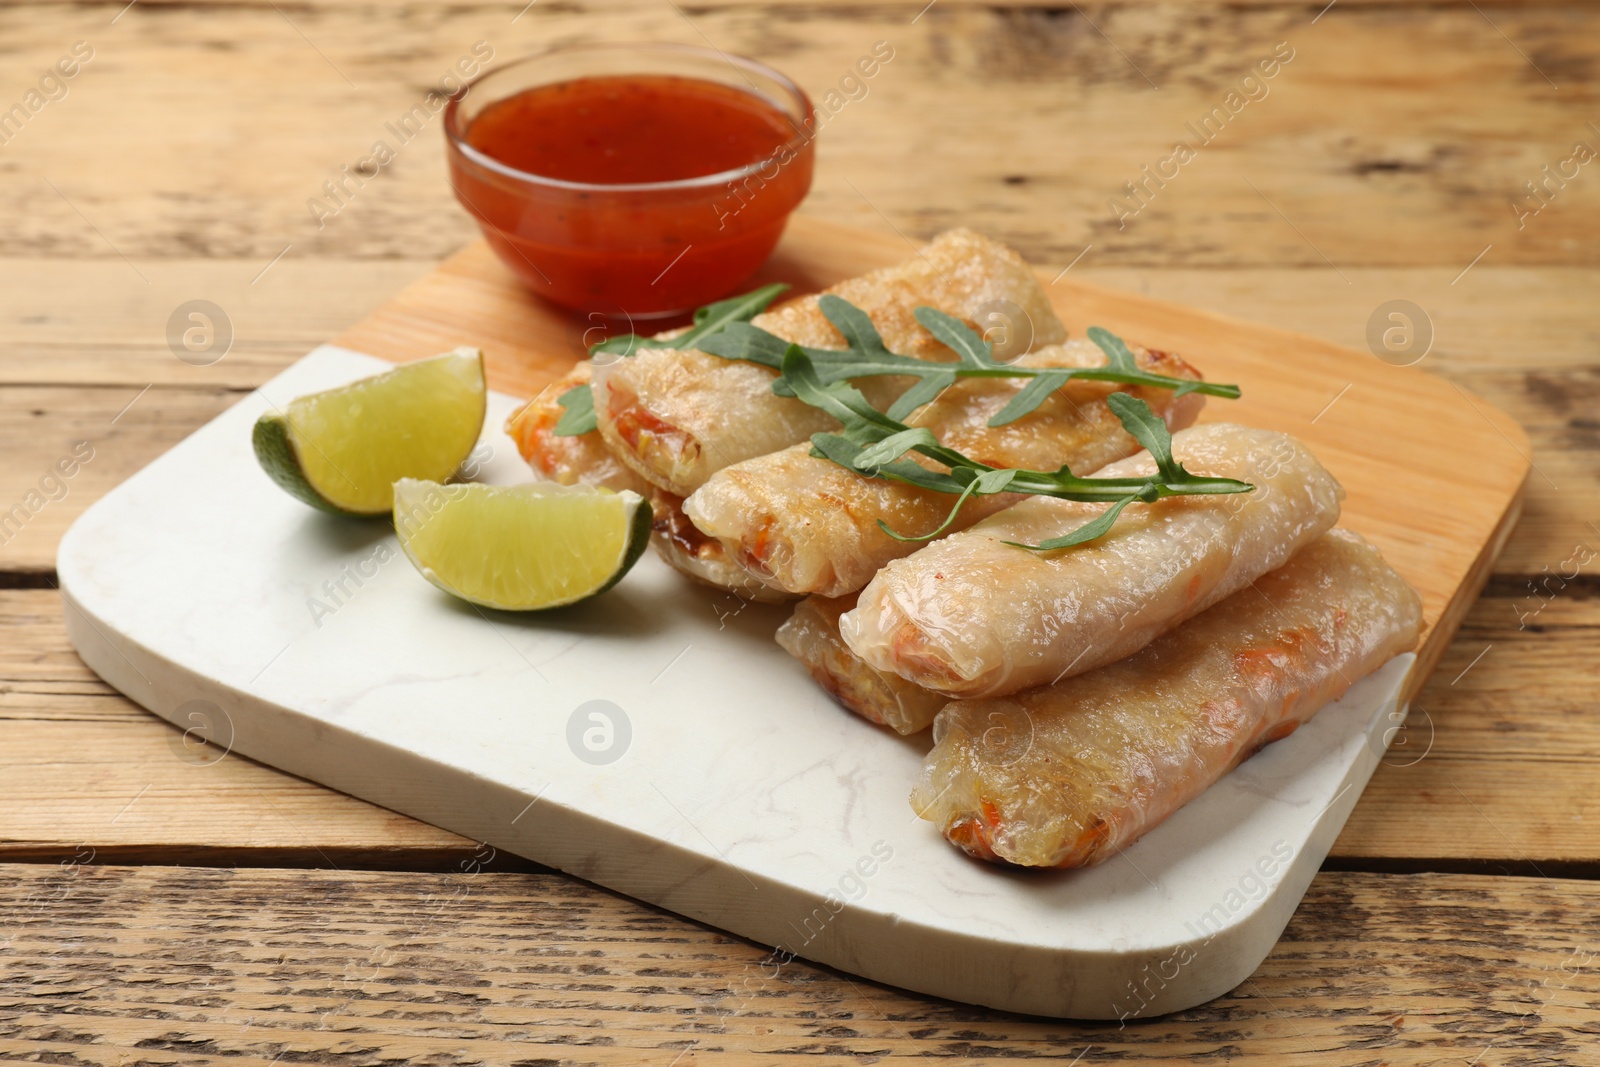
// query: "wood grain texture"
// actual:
[[100, 965], [102, 435], [82, 764], [94, 322], [1515, 320], [1391, 145], [1416, 122]]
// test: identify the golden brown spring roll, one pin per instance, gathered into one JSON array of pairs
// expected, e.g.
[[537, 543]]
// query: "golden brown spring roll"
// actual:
[[1069, 774], [974, 616], [678, 417], [808, 525], [811, 635], [693, 554], [584, 459], [567, 459]]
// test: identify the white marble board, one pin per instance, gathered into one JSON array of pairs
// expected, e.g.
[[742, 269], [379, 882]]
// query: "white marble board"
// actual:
[[733, 791]]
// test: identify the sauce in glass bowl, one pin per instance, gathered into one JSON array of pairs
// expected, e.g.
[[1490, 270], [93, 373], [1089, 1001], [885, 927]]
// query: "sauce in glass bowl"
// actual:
[[631, 180]]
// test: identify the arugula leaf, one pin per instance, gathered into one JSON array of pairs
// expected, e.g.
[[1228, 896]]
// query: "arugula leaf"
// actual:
[[972, 487], [752, 344], [742, 341], [1030, 396], [578, 416], [926, 391], [896, 445], [707, 320], [957, 336], [1122, 361], [866, 356], [863, 423], [578, 402], [1089, 531], [853, 323], [989, 482], [1114, 347], [872, 444], [1137, 418]]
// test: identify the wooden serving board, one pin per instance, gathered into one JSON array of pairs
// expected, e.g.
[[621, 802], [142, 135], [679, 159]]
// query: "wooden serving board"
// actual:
[[1434, 474]]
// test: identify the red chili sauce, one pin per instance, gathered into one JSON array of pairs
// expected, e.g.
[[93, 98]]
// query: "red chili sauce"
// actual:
[[625, 251]]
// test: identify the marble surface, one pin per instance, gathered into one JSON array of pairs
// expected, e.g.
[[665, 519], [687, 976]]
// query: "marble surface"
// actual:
[[658, 742]]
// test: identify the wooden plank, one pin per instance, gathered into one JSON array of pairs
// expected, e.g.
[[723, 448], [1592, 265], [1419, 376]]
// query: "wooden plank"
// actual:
[[1496, 764], [1506, 319], [1497, 757], [101, 963], [1396, 136], [134, 788], [83, 765], [66, 447], [1425, 120], [1539, 319], [911, 7], [52, 334]]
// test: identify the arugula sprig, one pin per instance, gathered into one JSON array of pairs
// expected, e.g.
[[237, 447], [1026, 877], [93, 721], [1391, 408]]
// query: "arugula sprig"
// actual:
[[866, 356], [578, 402], [875, 443], [724, 329], [707, 320]]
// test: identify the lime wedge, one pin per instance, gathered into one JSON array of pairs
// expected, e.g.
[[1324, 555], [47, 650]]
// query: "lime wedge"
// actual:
[[520, 547], [343, 449]]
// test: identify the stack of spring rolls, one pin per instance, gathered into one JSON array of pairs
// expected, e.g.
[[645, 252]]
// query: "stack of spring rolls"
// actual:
[[1077, 697]]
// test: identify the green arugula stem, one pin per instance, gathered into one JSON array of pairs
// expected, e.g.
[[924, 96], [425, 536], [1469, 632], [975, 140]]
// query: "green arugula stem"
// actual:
[[577, 416], [866, 356], [724, 329], [874, 444]]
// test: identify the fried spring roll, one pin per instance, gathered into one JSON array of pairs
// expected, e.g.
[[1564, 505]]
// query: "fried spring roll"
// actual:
[[568, 459], [811, 635], [677, 417], [693, 554], [584, 459], [1069, 774], [973, 616], [808, 525]]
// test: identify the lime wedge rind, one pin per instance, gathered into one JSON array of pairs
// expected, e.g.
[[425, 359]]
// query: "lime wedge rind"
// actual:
[[276, 456], [342, 449]]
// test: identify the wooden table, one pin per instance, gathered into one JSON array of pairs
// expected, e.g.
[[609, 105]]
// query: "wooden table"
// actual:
[[159, 907]]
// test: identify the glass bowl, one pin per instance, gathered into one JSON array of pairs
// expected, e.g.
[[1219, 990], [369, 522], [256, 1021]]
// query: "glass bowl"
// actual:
[[640, 249]]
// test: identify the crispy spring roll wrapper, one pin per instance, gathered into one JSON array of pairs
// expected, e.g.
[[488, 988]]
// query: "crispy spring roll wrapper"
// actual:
[[693, 554], [568, 459], [808, 525], [973, 616], [811, 635], [584, 459], [677, 417], [1069, 774]]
